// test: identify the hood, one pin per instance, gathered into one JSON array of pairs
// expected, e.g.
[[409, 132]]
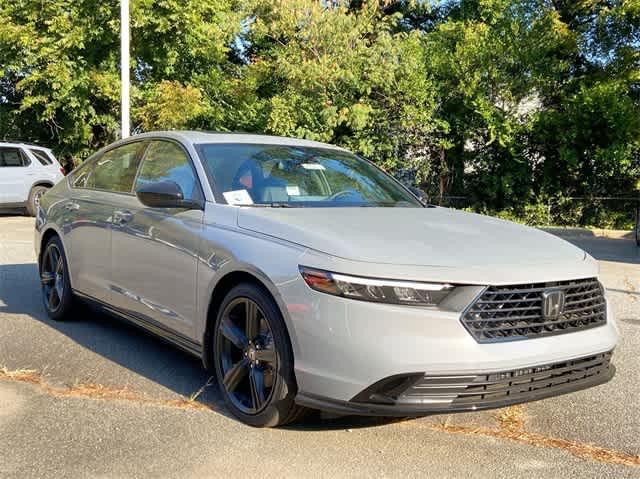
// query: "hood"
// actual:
[[412, 236]]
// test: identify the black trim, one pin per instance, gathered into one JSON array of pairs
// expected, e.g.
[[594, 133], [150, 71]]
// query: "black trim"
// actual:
[[531, 324], [12, 206], [355, 407], [148, 325]]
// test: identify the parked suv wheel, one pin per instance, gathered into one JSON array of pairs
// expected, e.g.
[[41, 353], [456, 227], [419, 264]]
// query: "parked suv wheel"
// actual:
[[57, 296], [253, 359], [34, 199]]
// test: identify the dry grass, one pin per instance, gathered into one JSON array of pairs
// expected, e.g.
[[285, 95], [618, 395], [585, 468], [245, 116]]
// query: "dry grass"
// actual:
[[194, 396], [100, 392], [632, 289], [20, 375], [511, 425], [512, 418]]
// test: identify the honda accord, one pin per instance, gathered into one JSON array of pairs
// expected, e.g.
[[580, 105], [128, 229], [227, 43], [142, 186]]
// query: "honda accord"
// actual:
[[307, 278]]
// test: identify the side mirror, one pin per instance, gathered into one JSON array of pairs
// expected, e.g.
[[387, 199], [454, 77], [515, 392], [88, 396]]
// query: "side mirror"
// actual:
[[421, 195], [164, 194]]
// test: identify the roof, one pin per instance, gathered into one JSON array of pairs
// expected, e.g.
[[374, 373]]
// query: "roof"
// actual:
[[24, 145], [198, 137]]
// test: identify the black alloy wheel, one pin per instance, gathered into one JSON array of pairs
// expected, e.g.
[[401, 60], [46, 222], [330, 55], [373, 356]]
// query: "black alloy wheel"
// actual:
[[57, 297], [52, 277], [253, 358], [247, 354]]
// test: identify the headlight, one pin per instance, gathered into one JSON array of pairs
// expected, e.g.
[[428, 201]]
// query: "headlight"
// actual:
[[377, 290]]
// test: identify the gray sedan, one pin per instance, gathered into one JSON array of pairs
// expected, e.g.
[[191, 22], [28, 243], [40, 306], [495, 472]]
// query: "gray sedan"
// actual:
[[306, 277]]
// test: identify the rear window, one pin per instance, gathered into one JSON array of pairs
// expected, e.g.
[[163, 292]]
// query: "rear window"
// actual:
[[13, 157], [42, 157], [116, 169]]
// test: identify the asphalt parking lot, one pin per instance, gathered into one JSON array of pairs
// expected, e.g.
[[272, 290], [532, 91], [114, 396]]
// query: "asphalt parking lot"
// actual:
[[96, 398]]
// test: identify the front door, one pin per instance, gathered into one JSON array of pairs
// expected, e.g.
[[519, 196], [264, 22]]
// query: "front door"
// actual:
[[154, 250]]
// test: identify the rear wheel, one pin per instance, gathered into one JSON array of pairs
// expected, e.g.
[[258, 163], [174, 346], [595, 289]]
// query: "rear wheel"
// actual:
[[34, 199], [253, 359], [57, 296]]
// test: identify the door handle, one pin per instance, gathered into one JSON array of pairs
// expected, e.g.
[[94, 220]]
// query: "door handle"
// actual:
[[122, 217], [72, 206]]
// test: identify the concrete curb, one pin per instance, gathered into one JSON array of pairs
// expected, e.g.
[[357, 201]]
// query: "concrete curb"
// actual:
[[585, 233]]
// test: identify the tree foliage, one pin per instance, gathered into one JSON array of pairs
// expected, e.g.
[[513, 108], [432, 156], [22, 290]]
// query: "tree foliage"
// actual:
[[506, 102]]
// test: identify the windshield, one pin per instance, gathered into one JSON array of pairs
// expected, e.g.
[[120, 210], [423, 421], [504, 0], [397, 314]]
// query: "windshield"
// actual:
[[290, 176]]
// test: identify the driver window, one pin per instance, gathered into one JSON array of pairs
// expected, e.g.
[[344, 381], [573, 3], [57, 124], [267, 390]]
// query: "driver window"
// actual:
[[166, 161]]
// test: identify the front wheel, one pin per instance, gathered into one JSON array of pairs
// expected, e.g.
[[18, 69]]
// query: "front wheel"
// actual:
[[253, 359]]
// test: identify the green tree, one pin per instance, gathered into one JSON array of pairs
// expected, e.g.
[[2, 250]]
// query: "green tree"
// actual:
[[329, 73], [59, 68], [506, 102]]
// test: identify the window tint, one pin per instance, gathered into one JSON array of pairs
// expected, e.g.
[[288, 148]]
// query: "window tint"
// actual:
[[166, 161], [116, 169], [13, 157], [41, 157]]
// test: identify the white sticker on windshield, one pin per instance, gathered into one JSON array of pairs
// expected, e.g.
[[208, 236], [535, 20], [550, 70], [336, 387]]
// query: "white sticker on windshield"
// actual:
[[293, 190], [238, 197], [312, 166]]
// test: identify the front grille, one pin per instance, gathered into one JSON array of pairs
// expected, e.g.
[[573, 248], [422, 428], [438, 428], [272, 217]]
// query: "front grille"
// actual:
[[488, 390], [512, 386], [506, 313]]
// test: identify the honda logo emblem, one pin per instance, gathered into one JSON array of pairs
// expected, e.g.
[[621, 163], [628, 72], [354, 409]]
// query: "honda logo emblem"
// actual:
[[552, 303]]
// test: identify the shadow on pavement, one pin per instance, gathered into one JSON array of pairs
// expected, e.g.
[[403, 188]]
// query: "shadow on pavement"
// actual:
[[136, 350], [116, 341]]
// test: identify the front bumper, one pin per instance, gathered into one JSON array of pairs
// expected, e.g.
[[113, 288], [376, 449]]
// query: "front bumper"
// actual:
[[416, 395], [342, 347]]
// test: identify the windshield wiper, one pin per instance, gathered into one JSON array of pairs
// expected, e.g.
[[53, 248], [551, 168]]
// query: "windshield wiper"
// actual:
[[272, 205]]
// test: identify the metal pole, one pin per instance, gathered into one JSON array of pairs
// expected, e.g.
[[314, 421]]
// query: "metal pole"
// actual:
[[124, 67]]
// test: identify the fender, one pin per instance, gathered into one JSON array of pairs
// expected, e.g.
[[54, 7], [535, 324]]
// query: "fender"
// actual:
[[45, 232], [246, 268]]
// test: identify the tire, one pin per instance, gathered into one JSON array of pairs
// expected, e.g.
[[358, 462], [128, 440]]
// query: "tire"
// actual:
[[34, 199], [253, 360], [58, 299]]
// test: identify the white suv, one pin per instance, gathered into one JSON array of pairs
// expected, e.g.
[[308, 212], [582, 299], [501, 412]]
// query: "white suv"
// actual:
[[26, 173]]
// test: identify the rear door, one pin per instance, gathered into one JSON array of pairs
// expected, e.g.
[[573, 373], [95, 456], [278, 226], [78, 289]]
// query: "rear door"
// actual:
[[16, 175], [154, 250], [96, 190]]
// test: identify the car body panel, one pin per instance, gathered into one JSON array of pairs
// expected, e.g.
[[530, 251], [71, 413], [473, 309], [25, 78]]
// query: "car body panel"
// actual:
[[438, 237], [88, 217], [15, 184], [154, 263], [226, 249]]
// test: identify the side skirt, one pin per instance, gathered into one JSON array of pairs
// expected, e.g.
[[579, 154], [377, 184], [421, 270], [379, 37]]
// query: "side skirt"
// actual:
[[145, 324]]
